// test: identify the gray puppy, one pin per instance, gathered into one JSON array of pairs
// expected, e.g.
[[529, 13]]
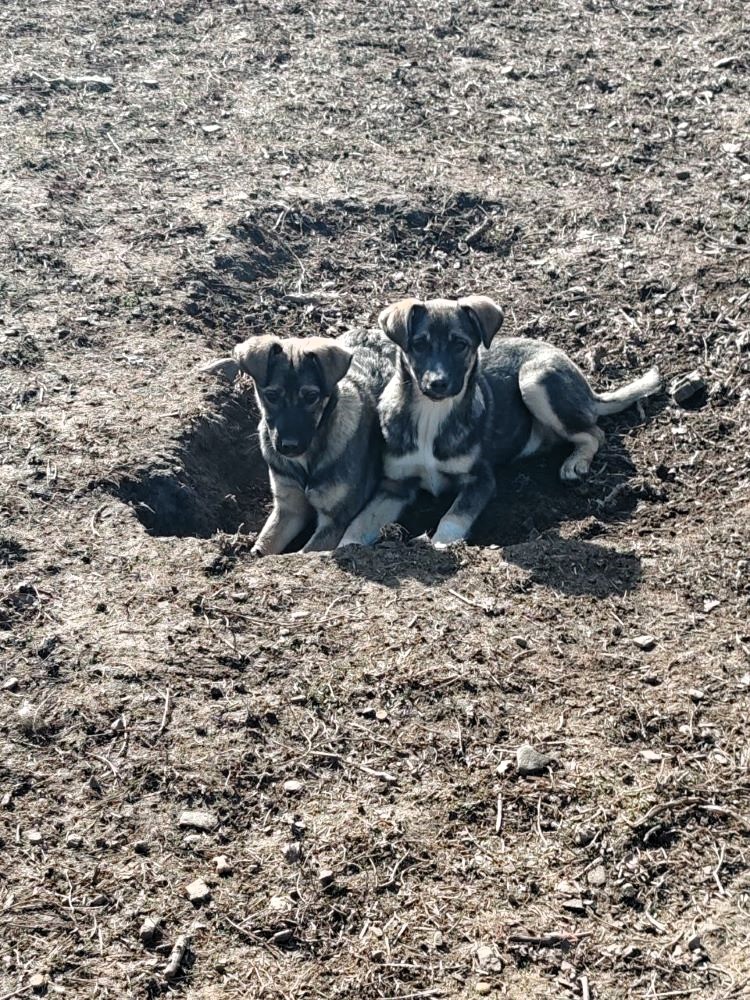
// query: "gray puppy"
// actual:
[[461, 403], [319, 429]]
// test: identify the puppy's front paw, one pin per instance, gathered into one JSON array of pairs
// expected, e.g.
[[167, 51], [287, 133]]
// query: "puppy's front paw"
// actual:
[[574, 469], [450, 531], [256, 552]]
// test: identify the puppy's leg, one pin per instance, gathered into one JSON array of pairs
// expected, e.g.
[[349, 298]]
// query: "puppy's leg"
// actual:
[[291, 512], [578, 463], [390, 501], [327, 534], [556, 393], [475, 493]]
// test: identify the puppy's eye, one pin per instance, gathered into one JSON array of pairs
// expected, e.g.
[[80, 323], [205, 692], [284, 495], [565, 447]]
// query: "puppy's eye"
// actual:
[[272, 396], [309, 396], [419, 345], [459, 346]]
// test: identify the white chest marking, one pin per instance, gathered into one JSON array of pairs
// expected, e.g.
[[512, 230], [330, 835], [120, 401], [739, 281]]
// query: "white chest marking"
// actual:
[[421, 463]]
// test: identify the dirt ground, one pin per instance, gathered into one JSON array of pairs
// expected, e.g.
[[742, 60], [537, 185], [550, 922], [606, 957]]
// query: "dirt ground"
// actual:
[[236, 168]]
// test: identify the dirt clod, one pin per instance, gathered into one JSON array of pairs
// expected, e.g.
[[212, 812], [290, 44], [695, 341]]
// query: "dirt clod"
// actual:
[[530, 761], [198, 819], [198, 891], [685, 387]]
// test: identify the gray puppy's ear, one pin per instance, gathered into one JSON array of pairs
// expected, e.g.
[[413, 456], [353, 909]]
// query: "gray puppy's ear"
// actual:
[[252, 356], [486, 315], [223, 367], [332, 360], [395, 320]]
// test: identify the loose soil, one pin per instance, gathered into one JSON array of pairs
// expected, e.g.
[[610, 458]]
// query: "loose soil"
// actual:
[[240, 168]]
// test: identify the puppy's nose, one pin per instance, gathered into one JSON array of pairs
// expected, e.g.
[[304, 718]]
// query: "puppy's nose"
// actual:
[[289, 445], [436, 384]]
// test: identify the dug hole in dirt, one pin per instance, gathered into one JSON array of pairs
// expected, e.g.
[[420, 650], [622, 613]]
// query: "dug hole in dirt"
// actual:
[[518, 768]]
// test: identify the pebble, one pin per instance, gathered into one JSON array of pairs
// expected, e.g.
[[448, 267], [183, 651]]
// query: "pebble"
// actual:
[[151, 84], [223, 866], [684, 387], [10, 684], [484, 954], [198, 819], [198, 891], [74, 840], [652, 756], [530, 761], [696, 694], [149, 931], [33, 836], [682, 175], [141, 847], [210, 129], [38, 983], [644, 642], [597, 876], [279, 903], [483, 988], [293, 786], [574, 905]]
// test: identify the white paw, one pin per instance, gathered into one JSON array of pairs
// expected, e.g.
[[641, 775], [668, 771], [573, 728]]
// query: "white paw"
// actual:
[[448, 533], [574, 469]]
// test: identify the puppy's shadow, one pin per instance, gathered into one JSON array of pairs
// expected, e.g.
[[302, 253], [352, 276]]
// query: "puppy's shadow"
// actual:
[[524, 519]]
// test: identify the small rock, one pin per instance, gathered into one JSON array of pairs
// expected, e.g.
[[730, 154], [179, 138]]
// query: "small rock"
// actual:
[[325, 876], [381, 715], [150, 931], [198, 819], [644, 642], [597, 876], [280, 904], [710, 605], [223, 866], [292, 852], [141, 847], [151, 84], [211, 129], [33, 836], [484, 954], [38, 983], [684, 387], [575, 905], [293, 787], [732, 147], [74, 840], [198, 891], [502, 767], [119, 725], [695, 943], [652, 756], [530, 761], [483, 988], [682, 175], [696, 694], [10, 684]]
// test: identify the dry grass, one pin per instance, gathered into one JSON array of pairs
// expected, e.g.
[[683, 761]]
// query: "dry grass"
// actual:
[[587, 165]]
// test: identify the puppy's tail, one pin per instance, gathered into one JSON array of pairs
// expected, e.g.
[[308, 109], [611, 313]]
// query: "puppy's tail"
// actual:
[[620, 399]]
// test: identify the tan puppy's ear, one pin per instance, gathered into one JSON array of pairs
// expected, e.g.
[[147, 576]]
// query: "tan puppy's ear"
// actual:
[[333, 361], [395, 320], [486, 315], [252, 356], [223, 367]]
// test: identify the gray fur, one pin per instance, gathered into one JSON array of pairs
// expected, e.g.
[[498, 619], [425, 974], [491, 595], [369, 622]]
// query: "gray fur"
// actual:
[[319, 434], [461, 403]]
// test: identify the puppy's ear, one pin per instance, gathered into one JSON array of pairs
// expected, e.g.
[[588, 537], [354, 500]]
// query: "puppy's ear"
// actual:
[[486, 315], [395, 320], [252, 356], [333, 360], [223, 367]]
